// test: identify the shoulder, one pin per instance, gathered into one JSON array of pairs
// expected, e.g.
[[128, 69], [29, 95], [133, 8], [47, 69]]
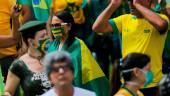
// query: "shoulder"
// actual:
[[140, 93], [49, 93], [122, 92], [122, 16], [164, 17], [83, 92]]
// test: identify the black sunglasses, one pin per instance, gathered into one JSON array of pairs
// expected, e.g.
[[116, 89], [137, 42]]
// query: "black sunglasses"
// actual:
[[58, 24]]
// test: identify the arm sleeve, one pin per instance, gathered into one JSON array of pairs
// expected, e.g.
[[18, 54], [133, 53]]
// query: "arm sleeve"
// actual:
[[16, 68], [165, 18], [116, 24]]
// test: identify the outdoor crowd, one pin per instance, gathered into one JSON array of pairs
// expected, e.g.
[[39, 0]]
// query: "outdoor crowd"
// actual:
[[84, 48]]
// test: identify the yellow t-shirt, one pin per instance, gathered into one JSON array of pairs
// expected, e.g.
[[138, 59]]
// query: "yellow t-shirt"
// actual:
[[5, 13], [73, 6], [138, 35], [125, 92]]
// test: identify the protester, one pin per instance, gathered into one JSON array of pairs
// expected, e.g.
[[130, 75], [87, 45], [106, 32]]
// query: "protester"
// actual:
[[60, 71], [14, 36], [143, 31], [63, 30], [28, 70], [7, 54], [12, 39], [135, 70]]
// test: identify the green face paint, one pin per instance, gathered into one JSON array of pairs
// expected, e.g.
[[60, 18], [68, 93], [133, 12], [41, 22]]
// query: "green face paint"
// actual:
[[58, 32]]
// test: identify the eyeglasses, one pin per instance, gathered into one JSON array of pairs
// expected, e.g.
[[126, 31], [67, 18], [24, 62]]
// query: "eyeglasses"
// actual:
[[58, 24], [64, 67]]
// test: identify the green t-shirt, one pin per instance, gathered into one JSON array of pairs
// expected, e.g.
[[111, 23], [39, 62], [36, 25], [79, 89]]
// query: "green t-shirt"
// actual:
[[41, 8], [33, 84]]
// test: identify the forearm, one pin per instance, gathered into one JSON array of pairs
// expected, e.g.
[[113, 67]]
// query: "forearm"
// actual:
[[160, 24], [13, 38], [102, 20]]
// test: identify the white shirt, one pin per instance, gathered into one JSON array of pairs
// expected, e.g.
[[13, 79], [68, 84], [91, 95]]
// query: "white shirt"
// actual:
[[77, 92]]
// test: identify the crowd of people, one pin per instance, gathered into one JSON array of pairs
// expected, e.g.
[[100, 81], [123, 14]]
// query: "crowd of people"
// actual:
[[84, 48]]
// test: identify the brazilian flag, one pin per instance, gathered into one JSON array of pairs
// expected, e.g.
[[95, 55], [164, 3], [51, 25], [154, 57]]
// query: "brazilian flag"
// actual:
[[87, 73]]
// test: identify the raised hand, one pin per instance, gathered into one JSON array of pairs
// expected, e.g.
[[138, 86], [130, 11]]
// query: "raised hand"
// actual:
[[16, 10]]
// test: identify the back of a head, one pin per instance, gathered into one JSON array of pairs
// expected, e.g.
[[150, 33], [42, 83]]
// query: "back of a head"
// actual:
[[132, 60]]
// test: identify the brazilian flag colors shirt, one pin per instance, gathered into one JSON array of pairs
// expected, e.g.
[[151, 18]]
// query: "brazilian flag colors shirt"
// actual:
[[73, 6], [138, 35], [127, 92]]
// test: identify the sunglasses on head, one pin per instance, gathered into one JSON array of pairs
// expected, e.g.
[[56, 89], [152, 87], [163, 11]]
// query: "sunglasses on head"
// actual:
[[58, 24]]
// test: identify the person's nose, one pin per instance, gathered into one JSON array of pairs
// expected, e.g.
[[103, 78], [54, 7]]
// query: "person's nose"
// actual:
[[61, 70]]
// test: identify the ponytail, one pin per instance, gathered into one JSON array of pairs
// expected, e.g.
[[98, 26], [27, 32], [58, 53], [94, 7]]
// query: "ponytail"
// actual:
[[116, 77]]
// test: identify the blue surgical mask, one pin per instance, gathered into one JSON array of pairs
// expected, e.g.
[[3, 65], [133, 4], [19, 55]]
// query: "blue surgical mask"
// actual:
[[149, 78]]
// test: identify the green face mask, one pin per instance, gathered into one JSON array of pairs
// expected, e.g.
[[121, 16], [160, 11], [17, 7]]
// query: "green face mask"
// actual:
[[58, 33], [149, 78], [43, 45]]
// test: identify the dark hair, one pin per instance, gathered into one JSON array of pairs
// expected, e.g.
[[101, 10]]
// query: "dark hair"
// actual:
[[66, 17], [28, 30], [55, 57], [131, 61]]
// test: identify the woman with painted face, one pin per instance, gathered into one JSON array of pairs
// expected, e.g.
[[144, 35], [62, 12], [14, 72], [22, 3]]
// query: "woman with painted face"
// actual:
[[60, 71], [135, 72], [63, 30], [28, 70]]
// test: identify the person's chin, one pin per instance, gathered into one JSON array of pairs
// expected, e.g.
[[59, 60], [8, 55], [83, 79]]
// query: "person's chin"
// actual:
[[63, 84]]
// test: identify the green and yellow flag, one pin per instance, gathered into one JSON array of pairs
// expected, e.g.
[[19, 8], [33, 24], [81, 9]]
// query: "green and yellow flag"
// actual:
[[87, 73]]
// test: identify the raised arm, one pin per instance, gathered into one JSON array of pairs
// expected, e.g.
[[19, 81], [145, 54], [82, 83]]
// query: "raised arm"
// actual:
[[159, 23], [26, 13], [14, 37], [101, 24]]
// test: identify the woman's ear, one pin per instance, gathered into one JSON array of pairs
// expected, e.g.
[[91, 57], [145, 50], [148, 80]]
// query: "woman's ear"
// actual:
[[136, 72], [31, 42]]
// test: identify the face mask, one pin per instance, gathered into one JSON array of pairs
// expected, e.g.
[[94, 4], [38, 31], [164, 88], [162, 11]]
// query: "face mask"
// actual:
[[58, 33], [43, 45], [149, 78]]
